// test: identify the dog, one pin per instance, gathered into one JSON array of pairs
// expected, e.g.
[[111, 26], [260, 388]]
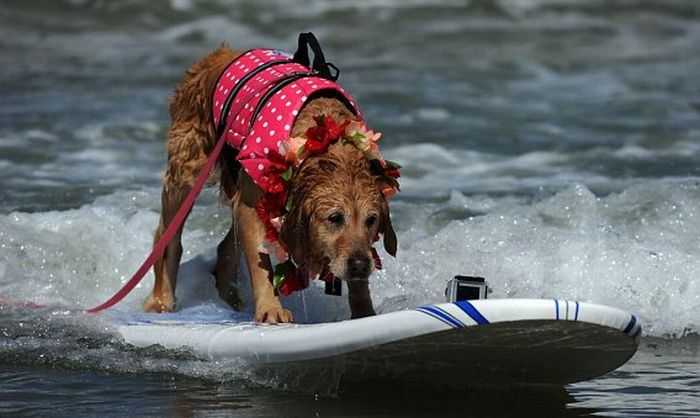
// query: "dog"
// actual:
[[335, 201]]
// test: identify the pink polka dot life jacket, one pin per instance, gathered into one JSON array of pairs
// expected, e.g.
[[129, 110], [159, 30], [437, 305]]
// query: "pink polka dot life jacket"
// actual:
[[259, 95]]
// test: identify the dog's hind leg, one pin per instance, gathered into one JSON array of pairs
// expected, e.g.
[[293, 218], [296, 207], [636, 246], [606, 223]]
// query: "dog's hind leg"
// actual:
[[187, 154], [227, 258], [191, 139], [162, 298]]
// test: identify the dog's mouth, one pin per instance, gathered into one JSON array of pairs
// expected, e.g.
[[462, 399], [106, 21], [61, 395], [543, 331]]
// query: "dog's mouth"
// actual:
[[357, 268], [327, 276]]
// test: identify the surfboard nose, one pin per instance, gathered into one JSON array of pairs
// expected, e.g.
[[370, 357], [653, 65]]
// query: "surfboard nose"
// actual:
[[359, 265]]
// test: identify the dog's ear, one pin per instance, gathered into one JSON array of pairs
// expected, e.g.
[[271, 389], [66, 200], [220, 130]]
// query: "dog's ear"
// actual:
[[295, 230], [387, 229]]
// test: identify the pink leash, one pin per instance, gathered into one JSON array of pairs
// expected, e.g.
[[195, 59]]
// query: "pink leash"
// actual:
[[169, 233]]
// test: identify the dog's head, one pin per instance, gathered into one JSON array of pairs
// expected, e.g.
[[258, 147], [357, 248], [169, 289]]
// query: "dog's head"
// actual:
[[338, 210]]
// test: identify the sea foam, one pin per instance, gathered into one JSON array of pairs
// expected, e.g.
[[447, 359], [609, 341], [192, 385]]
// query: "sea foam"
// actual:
[[636, 250]]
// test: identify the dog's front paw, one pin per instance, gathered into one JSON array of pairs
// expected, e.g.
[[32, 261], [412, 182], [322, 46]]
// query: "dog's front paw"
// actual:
[[155, 304], [272, 312]]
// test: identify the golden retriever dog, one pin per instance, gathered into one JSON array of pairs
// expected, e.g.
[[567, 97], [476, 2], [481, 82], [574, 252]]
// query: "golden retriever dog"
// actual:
[[338, 208]]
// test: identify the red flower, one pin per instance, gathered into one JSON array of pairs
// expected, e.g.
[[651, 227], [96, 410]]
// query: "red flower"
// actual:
[[295, 278], [270, 206], [376, 259], [326, 131], [395, 173], [291, 283], [273, 172]]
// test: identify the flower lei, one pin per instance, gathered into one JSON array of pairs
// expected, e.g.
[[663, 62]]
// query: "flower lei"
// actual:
[[276, 202]]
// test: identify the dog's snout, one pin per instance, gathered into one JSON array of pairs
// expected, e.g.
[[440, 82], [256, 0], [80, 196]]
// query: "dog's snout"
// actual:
[[359, 265]]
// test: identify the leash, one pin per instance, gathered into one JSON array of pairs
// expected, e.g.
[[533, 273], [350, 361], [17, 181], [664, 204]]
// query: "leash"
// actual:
[[169, 233]]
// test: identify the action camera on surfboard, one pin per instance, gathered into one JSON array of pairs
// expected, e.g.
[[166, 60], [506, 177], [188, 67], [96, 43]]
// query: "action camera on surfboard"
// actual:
[[466, 288]]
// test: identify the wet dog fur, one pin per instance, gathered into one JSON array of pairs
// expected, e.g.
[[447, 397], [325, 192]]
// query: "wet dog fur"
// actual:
[[338, 207]]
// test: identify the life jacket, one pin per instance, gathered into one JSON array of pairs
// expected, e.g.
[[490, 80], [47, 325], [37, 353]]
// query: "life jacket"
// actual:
[[259, 95]]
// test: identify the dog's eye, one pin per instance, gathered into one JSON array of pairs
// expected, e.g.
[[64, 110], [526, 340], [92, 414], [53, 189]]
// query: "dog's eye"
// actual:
[[336, 218], [371, 219]]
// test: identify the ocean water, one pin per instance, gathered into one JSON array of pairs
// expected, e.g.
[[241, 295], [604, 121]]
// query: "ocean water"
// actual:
[[551, 146]]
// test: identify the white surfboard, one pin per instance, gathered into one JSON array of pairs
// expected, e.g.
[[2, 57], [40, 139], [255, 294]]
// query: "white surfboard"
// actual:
[[533, 341]]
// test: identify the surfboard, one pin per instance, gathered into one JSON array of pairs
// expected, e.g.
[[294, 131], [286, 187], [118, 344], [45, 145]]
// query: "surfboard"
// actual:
[[499, 341]]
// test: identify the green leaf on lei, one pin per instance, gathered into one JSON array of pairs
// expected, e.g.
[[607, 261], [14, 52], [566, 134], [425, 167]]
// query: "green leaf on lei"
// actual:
[[287, 175], [278, 276], [392, 165]]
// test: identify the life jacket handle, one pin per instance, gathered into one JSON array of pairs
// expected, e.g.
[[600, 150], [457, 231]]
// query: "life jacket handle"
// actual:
[[308, 40]]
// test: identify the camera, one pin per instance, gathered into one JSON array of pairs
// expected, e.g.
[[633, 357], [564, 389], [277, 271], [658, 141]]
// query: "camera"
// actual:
[[466, 288]]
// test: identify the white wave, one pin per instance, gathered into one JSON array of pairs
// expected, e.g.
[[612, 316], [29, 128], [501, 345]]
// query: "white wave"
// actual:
[[636, 250]]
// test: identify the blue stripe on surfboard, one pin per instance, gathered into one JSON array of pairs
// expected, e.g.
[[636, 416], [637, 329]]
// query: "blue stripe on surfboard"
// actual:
[[454, 318], [473, 313], [556, 309], [441, 315], [629, 326], [436, 315], [445, 314], [576, 314]]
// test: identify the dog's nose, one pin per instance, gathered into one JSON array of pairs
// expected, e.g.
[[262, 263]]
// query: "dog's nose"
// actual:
[[359, 265]]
